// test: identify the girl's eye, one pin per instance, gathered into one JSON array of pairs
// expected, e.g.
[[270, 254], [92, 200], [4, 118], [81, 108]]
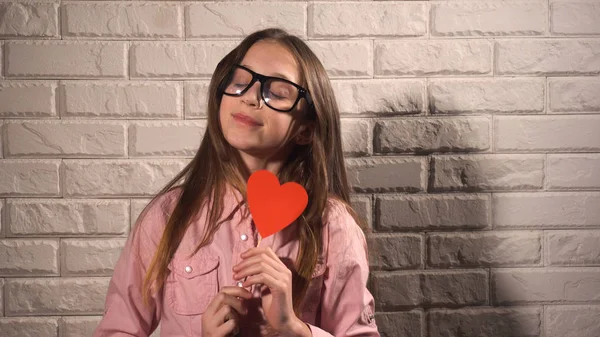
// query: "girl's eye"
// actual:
[[273, 95]]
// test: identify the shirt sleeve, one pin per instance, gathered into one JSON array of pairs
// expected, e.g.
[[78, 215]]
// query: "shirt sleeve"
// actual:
[[125, 313], [347, 306]]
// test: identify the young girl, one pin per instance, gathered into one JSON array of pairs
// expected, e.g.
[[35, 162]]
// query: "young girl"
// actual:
[[193, 262]]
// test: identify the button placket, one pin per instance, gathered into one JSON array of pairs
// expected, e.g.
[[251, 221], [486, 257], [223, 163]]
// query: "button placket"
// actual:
[[243, 229]]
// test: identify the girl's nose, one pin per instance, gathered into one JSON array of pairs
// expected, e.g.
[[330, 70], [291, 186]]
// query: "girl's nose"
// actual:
[[252, 96]]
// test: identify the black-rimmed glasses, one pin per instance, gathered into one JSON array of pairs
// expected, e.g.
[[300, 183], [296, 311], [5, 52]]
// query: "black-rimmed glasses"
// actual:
[[278, 94]]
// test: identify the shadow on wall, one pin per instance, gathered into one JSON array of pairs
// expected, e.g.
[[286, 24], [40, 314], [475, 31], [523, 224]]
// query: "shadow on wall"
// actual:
[[435, 259]]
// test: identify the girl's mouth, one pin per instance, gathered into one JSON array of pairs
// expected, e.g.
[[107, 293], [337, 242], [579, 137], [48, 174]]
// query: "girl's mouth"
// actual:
[[246, 120]]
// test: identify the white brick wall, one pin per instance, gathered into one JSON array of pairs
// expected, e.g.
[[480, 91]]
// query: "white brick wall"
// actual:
[[472, 131]]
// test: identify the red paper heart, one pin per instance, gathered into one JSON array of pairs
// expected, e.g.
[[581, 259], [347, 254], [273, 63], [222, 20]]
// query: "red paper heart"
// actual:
[[273, 206]]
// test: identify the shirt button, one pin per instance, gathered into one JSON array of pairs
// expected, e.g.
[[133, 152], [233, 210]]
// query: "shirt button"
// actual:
[[244, 237], [188, 269], [240, 283]]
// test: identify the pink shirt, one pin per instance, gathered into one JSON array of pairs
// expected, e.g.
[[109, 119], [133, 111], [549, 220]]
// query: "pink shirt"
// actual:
[[337, 302]]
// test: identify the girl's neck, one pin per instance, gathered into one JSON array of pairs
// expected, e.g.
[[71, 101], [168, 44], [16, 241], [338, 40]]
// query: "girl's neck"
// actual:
[[254, 163]]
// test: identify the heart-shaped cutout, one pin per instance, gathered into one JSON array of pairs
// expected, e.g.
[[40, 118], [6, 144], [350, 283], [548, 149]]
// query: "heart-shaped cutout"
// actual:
[[273, 206]]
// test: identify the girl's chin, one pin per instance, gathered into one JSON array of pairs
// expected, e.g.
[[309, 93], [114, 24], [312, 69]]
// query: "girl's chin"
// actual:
[[247, 149], [254, 151]]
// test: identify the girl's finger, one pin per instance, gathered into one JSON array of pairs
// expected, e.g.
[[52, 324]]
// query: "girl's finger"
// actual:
[[262, 278], [217, 302], [260, 267], [281, 266], [253, 251], [236, 304], [272, 254], [225, 314], [226, 328], [270, 258], [237, 292], [259, 260]]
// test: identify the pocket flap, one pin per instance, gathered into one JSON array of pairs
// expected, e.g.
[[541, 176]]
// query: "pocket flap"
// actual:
[[194, 266]]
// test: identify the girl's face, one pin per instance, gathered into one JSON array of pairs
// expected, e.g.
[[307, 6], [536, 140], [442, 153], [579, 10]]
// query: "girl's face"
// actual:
[[248, 124]]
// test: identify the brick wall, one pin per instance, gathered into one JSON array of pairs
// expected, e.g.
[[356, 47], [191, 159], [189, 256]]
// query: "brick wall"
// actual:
[[471, 128]]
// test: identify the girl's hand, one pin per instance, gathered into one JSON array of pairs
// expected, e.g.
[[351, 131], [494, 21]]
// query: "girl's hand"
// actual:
[[221, 316], [263, 267]]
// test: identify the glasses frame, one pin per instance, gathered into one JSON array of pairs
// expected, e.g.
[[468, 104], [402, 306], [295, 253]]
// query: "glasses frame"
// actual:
[[302, 93]]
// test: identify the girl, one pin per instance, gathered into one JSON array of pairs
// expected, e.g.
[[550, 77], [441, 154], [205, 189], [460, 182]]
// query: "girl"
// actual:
[[193, 261]]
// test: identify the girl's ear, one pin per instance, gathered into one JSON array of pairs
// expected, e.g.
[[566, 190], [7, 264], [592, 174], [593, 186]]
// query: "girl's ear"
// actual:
[[305, 134]]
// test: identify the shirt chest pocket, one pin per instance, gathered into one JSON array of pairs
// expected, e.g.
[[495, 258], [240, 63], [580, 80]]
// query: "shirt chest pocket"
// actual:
[[191, 284]]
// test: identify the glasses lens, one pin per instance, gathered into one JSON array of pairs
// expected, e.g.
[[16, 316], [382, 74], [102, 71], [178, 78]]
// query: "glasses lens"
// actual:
[[280, 94], [238, 81]]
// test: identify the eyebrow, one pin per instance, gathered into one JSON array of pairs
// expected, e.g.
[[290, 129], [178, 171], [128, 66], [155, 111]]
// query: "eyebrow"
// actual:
[[272, 75]]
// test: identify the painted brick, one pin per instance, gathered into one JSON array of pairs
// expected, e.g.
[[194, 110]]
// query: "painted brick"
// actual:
[[2, 283], [578, 95], [574, 171], [122, 20], [355, 19], [488, 18], [548, 285], [214, 19], [547, 57], [28, 257], [380, 96], [35, 138], [458, 211], [196, 99], [425, 135], [90, 257], [578, 18], [539, 133], [394, 251], [488, 172], [400, 289], [357, 137], [381, 174], [66, 59], [64, 217], [548, 210], [487, 95], [29, 19], [127, 100], [28, 326], [28, 99], [165, 138], [29, 177], [573, 247], [406, 324], [118, 177], [345, 58], [484, 249], [432, 57], [583, 318], [2, 221], [196, 59], [55, 296], [485, 321], [74, 326]]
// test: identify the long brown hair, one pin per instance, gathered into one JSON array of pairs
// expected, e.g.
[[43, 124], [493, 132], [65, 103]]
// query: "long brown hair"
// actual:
[[318, 166]]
